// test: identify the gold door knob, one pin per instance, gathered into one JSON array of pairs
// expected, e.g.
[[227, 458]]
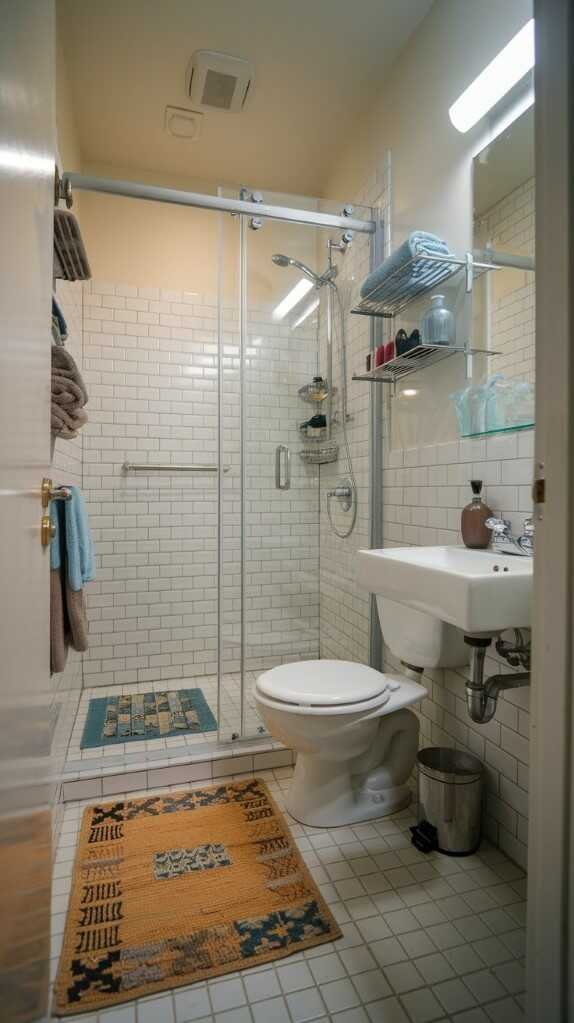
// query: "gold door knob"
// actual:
[[47, 530]]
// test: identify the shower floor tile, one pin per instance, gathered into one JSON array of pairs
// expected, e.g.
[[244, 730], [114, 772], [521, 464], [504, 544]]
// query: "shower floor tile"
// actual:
[[355, 979], [129, 753]]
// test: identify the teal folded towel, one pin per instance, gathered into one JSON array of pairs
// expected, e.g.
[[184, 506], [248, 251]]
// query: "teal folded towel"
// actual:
[[416, 244], [72, 539]]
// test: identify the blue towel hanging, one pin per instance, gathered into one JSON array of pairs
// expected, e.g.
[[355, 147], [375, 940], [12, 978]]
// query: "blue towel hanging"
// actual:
[[70, 519]]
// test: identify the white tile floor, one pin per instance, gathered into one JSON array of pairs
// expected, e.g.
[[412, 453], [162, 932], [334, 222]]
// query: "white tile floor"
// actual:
[[425, 938], [126, 754]]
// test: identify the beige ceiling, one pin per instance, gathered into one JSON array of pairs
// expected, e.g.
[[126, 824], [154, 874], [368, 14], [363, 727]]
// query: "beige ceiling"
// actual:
[[318, 65]]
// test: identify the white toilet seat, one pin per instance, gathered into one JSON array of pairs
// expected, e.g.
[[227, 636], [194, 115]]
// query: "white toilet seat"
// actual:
[[325, 688]]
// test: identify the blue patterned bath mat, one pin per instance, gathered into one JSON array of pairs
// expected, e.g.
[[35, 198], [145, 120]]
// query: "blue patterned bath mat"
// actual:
[[140, 716]]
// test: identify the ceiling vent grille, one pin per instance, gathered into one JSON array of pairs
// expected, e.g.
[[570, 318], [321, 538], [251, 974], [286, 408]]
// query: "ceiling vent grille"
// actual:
[[217, 81]]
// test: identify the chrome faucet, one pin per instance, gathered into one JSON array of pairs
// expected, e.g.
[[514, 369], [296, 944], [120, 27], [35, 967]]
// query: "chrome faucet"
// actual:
[[503, 542]]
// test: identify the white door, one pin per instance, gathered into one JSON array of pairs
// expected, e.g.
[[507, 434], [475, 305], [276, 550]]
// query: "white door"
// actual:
[[26, 215], [550, 968]]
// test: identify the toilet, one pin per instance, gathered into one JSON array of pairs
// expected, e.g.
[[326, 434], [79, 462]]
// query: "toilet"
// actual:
[[355, 738]]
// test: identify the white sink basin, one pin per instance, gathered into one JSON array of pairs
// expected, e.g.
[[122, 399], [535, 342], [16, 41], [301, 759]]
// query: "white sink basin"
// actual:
[[477, 591]]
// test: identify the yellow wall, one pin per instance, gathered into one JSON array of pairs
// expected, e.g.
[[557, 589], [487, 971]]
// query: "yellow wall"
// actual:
[[431, 160], [151, 244]]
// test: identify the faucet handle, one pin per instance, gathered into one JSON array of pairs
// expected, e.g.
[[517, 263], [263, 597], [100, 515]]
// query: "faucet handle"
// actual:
[[499, 527]]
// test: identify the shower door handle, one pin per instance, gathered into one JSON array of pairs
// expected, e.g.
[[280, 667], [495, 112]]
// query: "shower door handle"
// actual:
[[282, 454]]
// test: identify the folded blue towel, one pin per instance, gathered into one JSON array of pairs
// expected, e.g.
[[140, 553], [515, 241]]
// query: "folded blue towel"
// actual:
[[73, 540], [416, 244], [62, 325]]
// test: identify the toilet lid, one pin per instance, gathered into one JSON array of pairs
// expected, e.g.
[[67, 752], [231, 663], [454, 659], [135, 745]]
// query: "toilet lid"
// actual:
[[322, 683]]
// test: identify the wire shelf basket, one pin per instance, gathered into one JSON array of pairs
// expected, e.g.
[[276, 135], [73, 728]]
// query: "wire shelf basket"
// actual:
[[319, 456], [315, 393], [412, 279], [318, 435]]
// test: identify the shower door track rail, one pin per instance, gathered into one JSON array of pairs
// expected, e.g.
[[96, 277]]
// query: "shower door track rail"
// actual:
[[156, 193]]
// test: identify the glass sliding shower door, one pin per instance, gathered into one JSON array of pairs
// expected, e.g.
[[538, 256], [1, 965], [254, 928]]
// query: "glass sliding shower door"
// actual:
[[269, 514]]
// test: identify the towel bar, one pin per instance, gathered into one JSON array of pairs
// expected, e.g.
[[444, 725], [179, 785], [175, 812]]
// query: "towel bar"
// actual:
[[170, 467], [51, 493]]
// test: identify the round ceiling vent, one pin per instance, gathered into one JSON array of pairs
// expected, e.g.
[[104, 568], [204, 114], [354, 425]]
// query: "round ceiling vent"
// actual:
[[183, 124]]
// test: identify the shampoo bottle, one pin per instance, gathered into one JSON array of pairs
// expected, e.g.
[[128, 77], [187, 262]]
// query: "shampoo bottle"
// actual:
[[472, 522]]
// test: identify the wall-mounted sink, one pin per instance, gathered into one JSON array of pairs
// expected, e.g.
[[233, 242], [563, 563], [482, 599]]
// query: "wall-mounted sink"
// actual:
[[476, 591]]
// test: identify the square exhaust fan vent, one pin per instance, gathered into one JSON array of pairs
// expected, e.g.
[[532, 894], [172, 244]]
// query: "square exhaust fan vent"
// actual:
[[216, 81]]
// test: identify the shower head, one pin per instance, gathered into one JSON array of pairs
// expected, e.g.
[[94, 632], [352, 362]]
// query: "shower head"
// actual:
[[280, 260]]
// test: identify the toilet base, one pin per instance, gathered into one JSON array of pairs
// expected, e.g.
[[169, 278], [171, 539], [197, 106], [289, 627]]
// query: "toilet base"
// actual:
[[324, 794]]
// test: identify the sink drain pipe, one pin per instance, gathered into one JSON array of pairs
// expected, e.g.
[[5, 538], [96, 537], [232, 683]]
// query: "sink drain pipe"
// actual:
[[482, 694]]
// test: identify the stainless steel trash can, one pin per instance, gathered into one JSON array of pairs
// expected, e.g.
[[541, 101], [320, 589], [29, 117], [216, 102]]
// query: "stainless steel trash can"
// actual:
[[449, 801]]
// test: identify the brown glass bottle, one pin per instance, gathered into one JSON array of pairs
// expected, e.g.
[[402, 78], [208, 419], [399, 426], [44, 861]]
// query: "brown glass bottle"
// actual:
[[472, 521]]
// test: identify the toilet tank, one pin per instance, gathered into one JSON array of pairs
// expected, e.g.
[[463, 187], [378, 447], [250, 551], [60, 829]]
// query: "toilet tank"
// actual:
[[420, 640]]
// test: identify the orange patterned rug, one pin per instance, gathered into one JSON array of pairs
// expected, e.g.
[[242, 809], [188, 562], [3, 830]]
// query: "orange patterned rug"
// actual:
[[172, 889]]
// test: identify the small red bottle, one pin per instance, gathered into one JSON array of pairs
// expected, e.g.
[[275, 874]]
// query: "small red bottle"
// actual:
[[390, 351]]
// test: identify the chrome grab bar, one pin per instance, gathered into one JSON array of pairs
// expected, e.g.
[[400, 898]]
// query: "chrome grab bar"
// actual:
[[170, 467], [280, 450]]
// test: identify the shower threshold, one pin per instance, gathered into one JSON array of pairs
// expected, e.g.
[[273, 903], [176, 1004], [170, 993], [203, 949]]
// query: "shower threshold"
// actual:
[[176, 751]]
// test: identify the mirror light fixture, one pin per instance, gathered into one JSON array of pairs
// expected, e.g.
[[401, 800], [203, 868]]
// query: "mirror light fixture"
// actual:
[[292, 298], [514, 61]]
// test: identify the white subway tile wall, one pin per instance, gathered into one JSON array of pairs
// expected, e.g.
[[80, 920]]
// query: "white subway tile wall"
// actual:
[[151, 364], [509, 226]]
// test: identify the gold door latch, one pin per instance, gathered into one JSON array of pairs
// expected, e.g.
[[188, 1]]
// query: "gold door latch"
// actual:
[[46, 492], [47, 529]]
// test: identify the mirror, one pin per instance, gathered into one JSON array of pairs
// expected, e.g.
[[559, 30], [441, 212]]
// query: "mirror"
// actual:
[[491, 394], [503, 299]]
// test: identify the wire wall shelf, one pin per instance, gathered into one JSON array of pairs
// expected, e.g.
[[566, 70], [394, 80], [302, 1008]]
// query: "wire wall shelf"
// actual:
[[417, 358], [413, 279]]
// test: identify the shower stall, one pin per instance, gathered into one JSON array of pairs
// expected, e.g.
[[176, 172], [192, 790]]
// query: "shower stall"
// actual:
[[219, 438]]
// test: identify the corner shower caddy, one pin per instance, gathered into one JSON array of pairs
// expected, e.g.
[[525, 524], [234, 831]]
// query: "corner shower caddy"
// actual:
[[410, 281], [318, 449]]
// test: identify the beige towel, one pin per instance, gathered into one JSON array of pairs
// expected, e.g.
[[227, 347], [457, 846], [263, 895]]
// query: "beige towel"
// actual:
[[66, 422], [77, 618], [58, 637], [66, 391], [64, 365]]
